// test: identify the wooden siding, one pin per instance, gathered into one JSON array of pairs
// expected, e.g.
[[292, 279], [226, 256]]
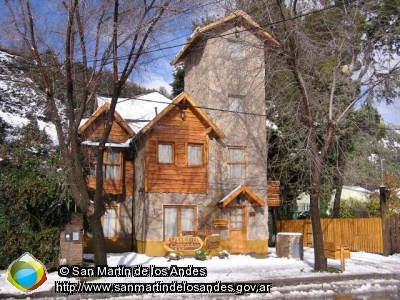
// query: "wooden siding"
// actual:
[[129, 170], [118, 187], [358, 234], [95, 131], [177, 177]]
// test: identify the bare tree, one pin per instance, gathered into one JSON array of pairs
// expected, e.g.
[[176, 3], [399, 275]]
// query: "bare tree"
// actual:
[[328, 41], [331, 58], [96, 34]]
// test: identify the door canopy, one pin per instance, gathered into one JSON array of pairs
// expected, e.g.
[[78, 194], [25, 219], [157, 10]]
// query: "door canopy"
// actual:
[[246, 192]]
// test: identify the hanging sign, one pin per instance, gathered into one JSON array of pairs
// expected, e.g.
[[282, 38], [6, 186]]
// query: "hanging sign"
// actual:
[[183, 243], [197, 233], [221, 224], [212, 242]]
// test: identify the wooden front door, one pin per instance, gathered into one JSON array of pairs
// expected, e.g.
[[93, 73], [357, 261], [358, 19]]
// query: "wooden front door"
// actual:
[[238, 229]]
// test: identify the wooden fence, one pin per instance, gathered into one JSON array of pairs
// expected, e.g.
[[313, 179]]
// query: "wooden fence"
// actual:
[[394, 234], [357, 234]]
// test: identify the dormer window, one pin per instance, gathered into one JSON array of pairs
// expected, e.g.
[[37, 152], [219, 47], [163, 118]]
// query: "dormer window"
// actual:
[[111, 165], [195, 154], [235, 49], [166, 153]]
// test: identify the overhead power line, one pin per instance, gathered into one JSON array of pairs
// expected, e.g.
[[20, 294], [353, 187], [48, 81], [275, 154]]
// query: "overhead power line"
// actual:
[[313, 12]]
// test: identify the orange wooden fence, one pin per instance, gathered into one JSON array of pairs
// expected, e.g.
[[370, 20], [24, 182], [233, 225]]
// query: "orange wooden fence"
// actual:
[[357, 234]]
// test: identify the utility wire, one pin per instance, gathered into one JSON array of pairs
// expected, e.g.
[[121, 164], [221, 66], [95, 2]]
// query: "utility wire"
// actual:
[[337, 5]]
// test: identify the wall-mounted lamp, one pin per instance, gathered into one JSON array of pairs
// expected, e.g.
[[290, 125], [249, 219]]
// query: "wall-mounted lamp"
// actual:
[[141, 191], [183, 114], [68, 237], [240, 200], [237, 33]]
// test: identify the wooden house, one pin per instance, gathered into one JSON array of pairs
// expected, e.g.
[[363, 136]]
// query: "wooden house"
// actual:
[[131, 115], [201, 162]]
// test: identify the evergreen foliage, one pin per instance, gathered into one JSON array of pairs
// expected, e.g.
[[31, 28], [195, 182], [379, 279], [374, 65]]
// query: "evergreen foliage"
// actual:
[[178, 84], [32, 197]]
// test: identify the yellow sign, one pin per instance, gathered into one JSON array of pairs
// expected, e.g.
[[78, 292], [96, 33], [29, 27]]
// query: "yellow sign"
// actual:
[[183, 244], [212, 242]]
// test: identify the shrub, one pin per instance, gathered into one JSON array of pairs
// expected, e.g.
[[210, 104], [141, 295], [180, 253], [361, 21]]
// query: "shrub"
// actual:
[[200, 255]]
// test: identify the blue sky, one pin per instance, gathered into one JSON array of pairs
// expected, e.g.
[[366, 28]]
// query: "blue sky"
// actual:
[[390, 113]]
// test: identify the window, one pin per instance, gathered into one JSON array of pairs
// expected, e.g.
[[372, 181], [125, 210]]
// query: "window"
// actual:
[[236, 217], [195, 155], [236, 103], [111, 165], [165, 153], [110, 222], [178, 218], [236, 162], [235, 49]]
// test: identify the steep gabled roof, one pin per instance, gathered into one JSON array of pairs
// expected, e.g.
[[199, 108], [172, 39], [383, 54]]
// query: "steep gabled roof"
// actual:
[[183, 100], [238, 14], [98, 113], [246, 191]]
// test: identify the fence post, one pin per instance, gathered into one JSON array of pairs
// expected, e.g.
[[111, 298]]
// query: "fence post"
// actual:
[[385, 231], [342, 258]]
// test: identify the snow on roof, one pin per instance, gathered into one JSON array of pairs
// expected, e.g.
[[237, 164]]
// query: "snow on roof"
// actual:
[[230, 193], [114, 145], [357, 189], [140, 110]]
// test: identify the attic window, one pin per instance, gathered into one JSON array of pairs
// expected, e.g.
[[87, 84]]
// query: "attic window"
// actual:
[[235, 49], [111, 165], [195, 154], [165, 153]]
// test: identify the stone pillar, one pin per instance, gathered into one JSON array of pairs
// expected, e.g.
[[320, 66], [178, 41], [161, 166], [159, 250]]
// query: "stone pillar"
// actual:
[[290, 245], [71, 241]]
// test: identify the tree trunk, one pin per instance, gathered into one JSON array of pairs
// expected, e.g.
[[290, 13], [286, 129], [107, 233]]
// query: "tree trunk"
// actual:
[[320, 261], [338, 194], [99, 245], [339, 177]]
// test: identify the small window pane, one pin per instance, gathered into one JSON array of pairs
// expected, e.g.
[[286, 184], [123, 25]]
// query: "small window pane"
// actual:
[[236, 170], [195, 155], [236, 104], [165, 153], [109, 219], [111, 172], [187, 219], [236, 154], [113, 157], [170, 222]]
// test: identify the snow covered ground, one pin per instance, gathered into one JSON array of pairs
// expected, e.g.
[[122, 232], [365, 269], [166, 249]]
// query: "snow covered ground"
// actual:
[[365, 274]]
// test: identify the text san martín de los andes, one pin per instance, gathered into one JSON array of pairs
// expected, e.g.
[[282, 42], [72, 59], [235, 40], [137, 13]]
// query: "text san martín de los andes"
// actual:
[[136, 271]]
